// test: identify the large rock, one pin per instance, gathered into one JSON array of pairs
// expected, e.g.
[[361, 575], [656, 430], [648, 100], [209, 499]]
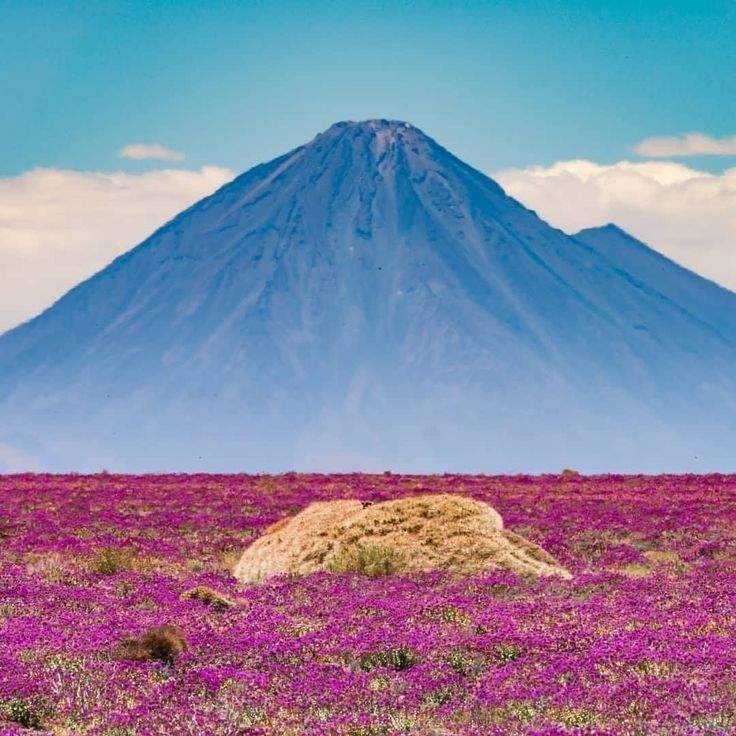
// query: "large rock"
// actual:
[[427, 532]]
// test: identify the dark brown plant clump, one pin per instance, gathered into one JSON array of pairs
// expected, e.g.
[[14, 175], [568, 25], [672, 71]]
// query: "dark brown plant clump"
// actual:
[[7, 528], [209, 596], [163, 643]]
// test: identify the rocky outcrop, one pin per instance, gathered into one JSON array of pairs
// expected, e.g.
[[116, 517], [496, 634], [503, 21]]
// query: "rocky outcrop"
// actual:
[[418, 533]]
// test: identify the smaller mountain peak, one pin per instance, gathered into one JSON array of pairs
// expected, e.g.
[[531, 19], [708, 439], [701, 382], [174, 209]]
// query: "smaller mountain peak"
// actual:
[[610, 228]]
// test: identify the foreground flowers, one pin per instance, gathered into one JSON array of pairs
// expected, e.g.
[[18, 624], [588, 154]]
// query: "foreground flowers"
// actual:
[[641, 641]]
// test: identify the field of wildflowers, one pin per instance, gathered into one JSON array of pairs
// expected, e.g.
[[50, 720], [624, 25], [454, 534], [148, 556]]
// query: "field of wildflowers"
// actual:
[[119, 614]]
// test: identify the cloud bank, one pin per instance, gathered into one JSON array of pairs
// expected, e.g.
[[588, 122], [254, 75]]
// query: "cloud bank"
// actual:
[[688, 215], [58, 227], [691, 144], [143, 151]]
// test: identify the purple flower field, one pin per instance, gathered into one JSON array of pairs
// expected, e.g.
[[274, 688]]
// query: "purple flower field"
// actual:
[[642, 640]]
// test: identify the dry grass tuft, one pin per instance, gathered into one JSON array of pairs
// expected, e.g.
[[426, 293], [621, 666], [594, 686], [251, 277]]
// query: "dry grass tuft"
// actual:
[[371, 560], [662, 557], [51, 566], [162, 643], [226, 559], [635, 570], [209, 596], [112, 560], [657, 561]]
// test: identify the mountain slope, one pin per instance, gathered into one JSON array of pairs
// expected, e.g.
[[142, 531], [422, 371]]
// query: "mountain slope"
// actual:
[[700, 297], [368, 301]]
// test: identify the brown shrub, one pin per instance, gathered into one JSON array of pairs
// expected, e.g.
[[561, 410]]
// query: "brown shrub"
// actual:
[[163, 643], [7, 528], [210, 597]]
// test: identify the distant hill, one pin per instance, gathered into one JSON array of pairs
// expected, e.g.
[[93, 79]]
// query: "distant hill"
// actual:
[[369, 301]]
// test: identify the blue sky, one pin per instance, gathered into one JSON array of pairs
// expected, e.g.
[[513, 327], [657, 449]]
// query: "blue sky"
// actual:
[[502, 84]]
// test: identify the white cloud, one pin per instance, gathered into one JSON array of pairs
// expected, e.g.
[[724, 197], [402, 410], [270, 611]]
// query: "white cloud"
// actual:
[[686, 214], [58, 226], [691, 144], [142, 151]]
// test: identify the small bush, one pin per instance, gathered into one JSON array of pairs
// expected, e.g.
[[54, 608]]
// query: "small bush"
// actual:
[[396, 658], [522, 711], [379, 683], [439, 697], [112, 560], [369, 559], [208, 596], [26, 712], [507, 653], [163, 643], [465, 663], [573, 717], [450, 614]]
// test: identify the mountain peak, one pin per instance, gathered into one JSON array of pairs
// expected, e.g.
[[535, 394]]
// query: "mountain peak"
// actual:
[[380, 128], [371, 125]]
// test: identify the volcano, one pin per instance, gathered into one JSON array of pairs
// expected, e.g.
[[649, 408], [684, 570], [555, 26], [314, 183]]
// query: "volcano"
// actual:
[[368, 301]]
